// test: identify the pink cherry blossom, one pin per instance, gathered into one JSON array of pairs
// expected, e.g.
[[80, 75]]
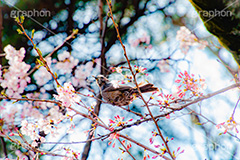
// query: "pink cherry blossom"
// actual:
[[189, 84], [15, 79], [163, 66], [66, 95], [229, 125], [81, 73], [66, 62], [119, 69], [142, 41], [188, 39]]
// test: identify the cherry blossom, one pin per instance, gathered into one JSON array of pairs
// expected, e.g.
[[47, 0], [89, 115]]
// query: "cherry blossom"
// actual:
[[30, 111], [165, 100], [142, 41], [188, 39], [140, 69], [119, 69], [127, 144], [81, 73], [55, 115], [229, 125], [66, 95], [187, 83], [118, 121], [145, 156], [33, 130], [15, 79], [163, 66], [73, 155], [112, 138], [29, 129], [13, 55], [66, 62], [175, 154], [9, 117]]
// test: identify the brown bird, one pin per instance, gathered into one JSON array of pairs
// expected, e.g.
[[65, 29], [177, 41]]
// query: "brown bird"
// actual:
[[121, 95]]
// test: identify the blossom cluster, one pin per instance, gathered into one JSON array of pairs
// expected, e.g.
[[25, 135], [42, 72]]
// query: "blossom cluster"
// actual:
[[165, 100], [66, 62], [140, 69], [66, 95], [162, 146], [229, 125], [73, 155], [15, 79], [9, 117], [113, 138], [33, 130], [128, 78], [117, 122], [81, 73], [163, 66], [187, 83], [127, 144], [142, 41], [188, 39]]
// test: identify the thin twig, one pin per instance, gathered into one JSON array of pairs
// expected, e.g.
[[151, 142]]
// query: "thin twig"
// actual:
[[55, 49], [235, 107], [30, 99], [126, 150], [135, 80], [208, 120], [39, 54]]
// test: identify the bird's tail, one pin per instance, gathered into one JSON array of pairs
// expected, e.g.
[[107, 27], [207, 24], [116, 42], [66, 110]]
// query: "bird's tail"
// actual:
[[148, 88]]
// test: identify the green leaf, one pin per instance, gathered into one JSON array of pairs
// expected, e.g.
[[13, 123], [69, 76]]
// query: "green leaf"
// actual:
[[40, 62], [19, 31], [17, 19], [38, 51], [75, 31], [33, 31], [120, 148], [3, 93], [22, 18], [55, 74]]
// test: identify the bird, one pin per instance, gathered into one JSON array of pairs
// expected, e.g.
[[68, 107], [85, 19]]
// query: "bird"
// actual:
[[122, 95]]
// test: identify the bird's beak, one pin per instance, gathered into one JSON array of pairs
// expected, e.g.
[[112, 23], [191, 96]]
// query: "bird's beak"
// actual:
[[94, 77]]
